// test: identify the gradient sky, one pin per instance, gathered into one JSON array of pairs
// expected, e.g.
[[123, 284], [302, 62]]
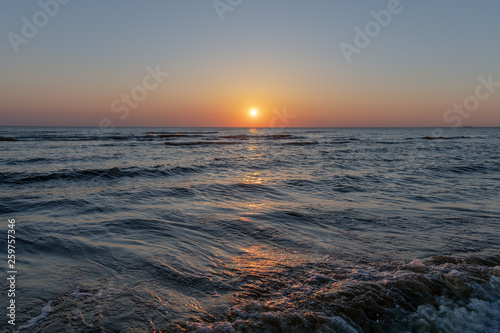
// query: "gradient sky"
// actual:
[[272, 55]]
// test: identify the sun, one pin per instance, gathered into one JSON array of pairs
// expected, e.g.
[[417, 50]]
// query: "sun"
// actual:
[[254, 112]]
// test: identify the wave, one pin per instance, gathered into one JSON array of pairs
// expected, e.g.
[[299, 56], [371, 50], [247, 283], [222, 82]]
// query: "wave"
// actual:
[[202, 143], [186, 132], [439, 294], [339, 142], [92, 174], [180, 135], [147, 137], [261, 137], [442, 294], [35, 160], [238, 191], [101, 137], [43, 313], [301, 143], [470, 168], [280, 136], [240, 137], [445, 137]]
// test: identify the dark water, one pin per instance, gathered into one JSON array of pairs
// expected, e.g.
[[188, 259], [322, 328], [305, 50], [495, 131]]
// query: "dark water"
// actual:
[[253, 230]]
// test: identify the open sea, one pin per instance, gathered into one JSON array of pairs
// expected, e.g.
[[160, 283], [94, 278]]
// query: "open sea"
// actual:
[[252, 230]]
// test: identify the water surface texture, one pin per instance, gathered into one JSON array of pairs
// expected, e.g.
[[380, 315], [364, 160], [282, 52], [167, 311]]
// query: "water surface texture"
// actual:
[[253, 230]]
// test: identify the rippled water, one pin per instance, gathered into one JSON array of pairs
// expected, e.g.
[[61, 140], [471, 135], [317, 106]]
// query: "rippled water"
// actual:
[[253, 230]]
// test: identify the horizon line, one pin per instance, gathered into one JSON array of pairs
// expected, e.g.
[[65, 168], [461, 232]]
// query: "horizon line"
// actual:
[[259, 127]]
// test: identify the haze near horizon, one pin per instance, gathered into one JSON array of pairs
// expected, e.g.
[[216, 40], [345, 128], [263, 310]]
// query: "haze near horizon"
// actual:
[[249, 63]]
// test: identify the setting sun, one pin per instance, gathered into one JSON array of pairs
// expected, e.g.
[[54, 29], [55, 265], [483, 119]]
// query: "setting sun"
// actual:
[[253, 112]]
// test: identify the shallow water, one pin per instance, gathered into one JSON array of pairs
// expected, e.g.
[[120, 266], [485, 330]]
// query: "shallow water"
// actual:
[[254, 230]]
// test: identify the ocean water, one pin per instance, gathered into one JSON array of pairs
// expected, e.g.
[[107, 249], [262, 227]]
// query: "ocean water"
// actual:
[[252, 230]]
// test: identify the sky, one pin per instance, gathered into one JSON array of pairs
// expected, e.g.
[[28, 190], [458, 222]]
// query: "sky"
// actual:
[[297, 63]]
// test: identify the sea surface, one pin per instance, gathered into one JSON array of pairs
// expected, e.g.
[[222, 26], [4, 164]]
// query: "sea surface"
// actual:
[[252, 230]]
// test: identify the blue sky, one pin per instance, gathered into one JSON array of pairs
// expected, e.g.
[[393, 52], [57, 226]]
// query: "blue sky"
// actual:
[[265, 53]]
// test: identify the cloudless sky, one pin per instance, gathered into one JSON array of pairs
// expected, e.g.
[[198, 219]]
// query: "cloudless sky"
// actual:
[[271, 55]]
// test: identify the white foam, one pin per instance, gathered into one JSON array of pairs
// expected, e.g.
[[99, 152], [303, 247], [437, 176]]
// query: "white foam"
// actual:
[[43, 313], [474, 315]]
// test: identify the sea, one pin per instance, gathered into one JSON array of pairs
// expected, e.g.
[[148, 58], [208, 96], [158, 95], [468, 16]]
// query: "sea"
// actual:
[[251, 229]]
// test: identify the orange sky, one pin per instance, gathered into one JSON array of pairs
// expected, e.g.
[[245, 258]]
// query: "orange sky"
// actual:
[[266, 55]]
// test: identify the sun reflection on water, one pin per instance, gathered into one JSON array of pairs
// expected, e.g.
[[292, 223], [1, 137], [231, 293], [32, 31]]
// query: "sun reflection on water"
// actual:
[[258, 261], [253, 178], [261, 266]]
